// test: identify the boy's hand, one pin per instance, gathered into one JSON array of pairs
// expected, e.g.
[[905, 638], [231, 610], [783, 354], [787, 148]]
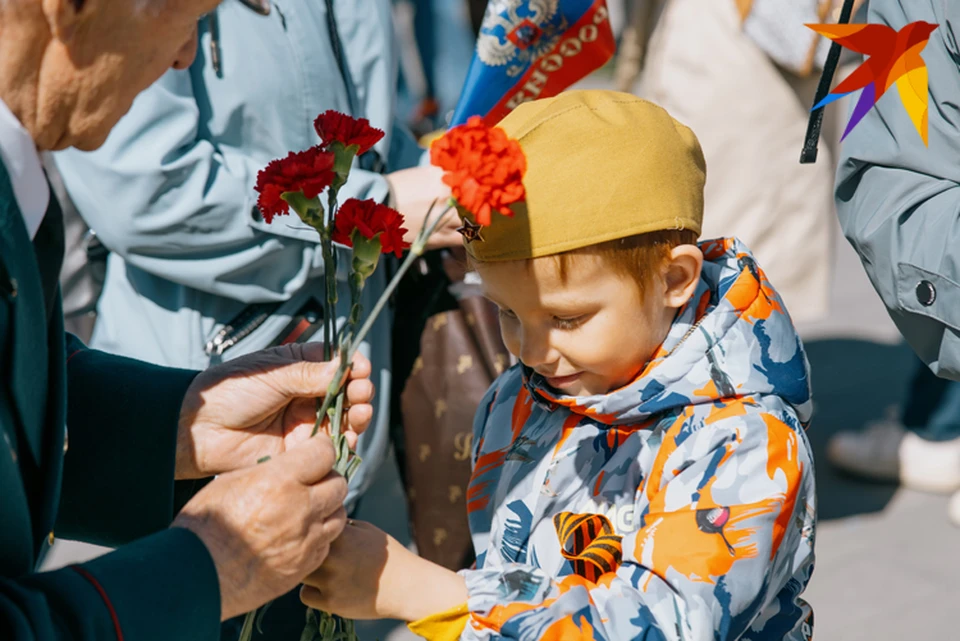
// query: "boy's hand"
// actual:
[[368, 574]]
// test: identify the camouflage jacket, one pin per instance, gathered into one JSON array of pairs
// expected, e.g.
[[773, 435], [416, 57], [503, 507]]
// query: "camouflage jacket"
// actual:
[[680, 506]]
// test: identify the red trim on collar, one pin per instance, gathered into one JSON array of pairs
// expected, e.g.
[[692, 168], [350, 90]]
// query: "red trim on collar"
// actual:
[[73, 354], [103, 595]]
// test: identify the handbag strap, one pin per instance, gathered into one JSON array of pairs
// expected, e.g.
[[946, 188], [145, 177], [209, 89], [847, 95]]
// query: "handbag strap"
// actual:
[[808, 155]]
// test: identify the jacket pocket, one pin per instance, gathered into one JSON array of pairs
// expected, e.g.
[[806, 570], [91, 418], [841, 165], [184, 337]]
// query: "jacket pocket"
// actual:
[[262, 325], [928, 294]]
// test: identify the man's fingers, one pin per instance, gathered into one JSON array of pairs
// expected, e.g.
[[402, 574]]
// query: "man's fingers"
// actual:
[[321, 553], [309, 461], [328, 496], [326, 499], [303, 378], [311, 352], [360, 391], [310, 376], [334, 524], [358, 418], [360, 366]]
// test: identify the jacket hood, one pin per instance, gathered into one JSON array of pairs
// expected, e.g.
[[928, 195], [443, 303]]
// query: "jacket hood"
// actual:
[[733, 340]]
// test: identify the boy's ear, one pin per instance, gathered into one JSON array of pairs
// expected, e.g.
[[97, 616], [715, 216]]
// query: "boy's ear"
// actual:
[[681, 275]]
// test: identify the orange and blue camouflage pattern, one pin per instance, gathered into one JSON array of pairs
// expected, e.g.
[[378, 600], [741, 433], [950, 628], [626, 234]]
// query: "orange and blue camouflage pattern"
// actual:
[[678, 507]]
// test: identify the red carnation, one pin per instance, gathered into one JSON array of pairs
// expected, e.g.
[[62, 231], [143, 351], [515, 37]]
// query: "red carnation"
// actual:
[[370, 218], [333, 126], [309, 172], [483, 168]]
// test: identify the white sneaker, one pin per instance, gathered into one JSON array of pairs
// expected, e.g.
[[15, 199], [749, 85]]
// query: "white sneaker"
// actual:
[[886, 451], [953, 509]]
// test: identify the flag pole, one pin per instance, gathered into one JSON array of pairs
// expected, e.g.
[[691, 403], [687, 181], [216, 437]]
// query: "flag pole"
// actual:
[[812, 138]]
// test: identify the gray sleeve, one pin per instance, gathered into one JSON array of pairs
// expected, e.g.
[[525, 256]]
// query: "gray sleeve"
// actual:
[[899, 201], [178, 206]]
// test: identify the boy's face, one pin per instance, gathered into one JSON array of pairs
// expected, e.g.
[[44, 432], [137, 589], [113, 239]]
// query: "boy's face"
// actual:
[[593, 333]]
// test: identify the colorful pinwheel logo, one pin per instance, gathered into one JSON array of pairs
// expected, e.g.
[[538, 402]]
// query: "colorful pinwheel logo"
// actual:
[[893, 58]]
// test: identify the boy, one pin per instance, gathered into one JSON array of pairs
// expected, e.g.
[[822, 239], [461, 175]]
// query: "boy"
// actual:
[[642, 472]]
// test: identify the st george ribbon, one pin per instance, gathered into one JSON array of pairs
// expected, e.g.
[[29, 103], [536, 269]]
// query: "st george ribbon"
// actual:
[[529, 49]]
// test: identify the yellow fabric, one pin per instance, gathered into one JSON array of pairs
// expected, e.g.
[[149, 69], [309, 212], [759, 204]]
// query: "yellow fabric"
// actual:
[[443, 626], [427, 139], [601, 165]]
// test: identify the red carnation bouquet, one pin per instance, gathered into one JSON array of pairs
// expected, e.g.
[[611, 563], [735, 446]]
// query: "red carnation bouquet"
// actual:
[[484, 170]]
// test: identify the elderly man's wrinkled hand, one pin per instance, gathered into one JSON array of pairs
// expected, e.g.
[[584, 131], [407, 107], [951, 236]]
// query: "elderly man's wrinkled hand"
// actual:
[[269, 525], [259, 405]]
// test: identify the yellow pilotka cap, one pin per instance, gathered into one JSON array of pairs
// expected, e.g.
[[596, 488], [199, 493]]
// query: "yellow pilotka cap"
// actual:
[[601, 165]]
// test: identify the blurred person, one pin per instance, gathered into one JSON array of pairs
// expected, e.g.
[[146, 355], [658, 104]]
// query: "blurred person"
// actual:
[[195, 276], [897, 200], [738, 72], [68, 71], [440, 46], [920, 449]]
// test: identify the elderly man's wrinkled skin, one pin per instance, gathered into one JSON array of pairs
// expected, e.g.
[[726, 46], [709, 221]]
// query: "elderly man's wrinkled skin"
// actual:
[[69, 75]]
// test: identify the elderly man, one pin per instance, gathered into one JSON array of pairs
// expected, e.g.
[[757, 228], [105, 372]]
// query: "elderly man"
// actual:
[[69, 70]]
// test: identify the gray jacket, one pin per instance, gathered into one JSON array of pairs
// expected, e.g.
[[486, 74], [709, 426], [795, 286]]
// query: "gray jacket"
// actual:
[[899, 201], [171, 192]]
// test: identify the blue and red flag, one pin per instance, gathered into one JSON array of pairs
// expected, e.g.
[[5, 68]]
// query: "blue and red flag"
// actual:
[[529, 49]]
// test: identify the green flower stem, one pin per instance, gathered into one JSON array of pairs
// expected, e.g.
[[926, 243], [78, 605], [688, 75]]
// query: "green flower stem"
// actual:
[[246, 632], [416, 250], [329, 299], [324, 625], [330, 274], [339, 439]]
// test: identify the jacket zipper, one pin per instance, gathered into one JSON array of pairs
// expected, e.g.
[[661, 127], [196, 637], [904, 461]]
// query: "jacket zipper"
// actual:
[[238, 328]]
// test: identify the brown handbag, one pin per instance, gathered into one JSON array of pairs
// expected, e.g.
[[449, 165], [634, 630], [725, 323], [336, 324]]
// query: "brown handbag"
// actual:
[[461, 353]]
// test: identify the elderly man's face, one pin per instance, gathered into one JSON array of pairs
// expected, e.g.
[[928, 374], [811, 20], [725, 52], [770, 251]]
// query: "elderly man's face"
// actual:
[[111, 51]]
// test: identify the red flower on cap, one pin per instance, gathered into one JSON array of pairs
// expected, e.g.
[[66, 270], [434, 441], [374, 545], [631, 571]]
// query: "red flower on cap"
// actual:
[[483, 168], [309, 172], [370, 218], [333, 126]]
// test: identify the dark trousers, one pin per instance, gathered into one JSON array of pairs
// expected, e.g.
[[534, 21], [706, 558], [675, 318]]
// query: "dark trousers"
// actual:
[[932, 408]]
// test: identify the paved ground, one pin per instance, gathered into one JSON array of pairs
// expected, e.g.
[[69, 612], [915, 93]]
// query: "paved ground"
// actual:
[[888, 561]]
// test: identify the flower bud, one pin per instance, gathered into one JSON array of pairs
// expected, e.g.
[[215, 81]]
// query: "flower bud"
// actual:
[[366, 253]]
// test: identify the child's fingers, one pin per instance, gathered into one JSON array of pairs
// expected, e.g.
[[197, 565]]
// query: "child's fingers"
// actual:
[[313, 598]]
